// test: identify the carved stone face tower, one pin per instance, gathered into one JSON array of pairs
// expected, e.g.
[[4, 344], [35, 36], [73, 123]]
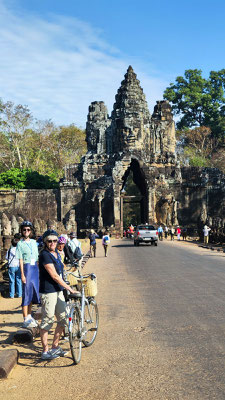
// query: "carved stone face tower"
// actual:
[[131, 127], [130, 117], [130, 140]]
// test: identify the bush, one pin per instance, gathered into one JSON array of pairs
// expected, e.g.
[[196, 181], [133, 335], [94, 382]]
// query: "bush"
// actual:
[[16, 178]]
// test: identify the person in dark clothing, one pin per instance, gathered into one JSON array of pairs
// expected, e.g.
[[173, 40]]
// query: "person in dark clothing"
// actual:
[[69, 257], [92, 237], [51, 293], [184, 233]]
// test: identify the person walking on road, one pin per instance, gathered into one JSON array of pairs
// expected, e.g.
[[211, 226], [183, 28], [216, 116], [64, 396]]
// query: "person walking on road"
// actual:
[[184, 233], [92, 237], [178, 232], [160, 232], [206, 231], [27, 253], [52, 298], [14, 269], [105, 242], [172, 233], [166, 232]]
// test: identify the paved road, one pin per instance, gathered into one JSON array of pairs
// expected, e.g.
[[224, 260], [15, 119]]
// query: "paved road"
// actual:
[[184, 291], [161, 333]]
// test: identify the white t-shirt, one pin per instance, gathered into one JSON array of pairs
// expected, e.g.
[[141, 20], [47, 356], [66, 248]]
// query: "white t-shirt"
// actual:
[[74, 243], [206, 230], [11, 257]]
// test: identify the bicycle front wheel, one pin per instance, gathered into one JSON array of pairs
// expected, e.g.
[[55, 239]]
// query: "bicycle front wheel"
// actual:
[[75, 336], [91, 319]]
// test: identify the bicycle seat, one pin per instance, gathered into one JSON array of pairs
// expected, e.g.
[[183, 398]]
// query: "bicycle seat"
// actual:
[[76, 295]]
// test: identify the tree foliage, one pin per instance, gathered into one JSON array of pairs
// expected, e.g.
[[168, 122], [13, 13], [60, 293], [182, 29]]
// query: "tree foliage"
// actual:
[[200, 104], [26, 179], [39, 146], [199, 101]]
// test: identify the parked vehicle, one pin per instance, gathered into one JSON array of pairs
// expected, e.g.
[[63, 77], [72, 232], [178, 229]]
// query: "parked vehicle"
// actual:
[[145, 234]]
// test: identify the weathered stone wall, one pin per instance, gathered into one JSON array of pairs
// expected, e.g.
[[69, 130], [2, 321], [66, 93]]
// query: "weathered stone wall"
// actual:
[[43, 204]]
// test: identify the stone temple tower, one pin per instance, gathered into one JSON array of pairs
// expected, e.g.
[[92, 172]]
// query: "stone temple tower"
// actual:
[[131, 139], [131, 127]]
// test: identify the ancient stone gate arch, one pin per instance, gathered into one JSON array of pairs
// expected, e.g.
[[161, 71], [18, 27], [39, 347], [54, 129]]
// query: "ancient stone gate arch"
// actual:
[[133, 139]]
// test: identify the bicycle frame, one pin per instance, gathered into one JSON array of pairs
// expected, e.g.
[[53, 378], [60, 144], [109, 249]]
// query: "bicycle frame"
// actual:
[[79, 304]]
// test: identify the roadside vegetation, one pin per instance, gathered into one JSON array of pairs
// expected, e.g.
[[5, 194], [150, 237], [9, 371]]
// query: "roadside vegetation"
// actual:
[[199, 104], [33, 153]]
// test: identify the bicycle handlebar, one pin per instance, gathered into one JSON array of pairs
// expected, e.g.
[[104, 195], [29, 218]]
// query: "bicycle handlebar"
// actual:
[[92, 275]]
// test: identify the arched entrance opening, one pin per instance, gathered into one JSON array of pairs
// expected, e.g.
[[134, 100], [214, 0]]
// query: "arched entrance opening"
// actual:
[[133, 196]]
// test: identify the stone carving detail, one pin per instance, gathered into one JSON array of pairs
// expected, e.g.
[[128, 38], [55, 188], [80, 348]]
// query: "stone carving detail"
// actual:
[[96, 126], [6, 225], [37, 227], [71, 221], [14, 225], [166, 210]]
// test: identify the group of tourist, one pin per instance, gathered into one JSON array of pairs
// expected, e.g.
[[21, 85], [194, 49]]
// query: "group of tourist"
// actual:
[[36, 270], [171, 231], [180, 232]]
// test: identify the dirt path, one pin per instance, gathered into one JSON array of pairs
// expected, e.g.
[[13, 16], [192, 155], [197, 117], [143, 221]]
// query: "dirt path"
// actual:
[[123, 363]]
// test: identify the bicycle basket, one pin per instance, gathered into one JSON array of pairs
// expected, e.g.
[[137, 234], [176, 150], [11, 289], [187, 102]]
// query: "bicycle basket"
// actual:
[[72, 280], [90, 289]]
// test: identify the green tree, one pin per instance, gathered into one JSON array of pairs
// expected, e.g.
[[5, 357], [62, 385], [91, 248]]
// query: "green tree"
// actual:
[[16, 178], [199, 101], [196, 146], [16, 119], [37, 145]]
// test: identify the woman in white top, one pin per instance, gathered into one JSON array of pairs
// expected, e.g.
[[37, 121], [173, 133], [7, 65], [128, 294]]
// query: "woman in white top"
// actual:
[[14, 269]]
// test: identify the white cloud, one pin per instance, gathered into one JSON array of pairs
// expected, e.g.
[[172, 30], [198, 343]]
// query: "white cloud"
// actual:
[[59, 66]]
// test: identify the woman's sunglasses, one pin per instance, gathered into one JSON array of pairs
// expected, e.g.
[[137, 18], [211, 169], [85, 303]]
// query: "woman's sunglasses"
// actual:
[[26, 229], [52, 241]]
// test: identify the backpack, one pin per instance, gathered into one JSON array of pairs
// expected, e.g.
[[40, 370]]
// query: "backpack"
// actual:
[[78, 253], [106, 239]]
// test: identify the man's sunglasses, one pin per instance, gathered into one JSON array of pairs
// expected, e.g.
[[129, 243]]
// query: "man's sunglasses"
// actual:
[[26, 229], [52, 241]]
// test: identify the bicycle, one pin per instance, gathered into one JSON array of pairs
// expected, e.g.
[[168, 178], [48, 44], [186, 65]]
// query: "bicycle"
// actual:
[[83, 314]]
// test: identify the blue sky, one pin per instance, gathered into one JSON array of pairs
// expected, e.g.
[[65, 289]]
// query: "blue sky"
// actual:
[[59, 56]]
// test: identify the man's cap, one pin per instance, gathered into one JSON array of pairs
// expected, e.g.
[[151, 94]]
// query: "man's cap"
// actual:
[[73, 234]]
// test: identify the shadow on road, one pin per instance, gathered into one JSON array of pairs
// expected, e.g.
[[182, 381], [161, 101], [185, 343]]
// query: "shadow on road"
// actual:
[[123, 245]]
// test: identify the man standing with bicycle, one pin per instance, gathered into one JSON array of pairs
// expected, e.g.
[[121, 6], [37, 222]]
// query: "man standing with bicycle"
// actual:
[[51, 293]]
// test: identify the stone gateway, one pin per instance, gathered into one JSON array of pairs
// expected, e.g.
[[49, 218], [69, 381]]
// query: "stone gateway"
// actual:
[[131, 140], [134, 140]]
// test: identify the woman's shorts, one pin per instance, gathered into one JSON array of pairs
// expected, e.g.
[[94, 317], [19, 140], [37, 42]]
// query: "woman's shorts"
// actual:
[[53, 304]]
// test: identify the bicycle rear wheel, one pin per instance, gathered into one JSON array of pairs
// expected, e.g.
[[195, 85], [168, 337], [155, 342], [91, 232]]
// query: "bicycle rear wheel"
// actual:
[[91, 320], [75, 336]]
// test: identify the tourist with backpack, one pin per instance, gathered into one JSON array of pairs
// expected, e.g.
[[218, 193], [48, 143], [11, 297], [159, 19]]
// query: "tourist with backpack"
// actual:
[[75, 246], [92, 237], [14, 269], [105, 242]]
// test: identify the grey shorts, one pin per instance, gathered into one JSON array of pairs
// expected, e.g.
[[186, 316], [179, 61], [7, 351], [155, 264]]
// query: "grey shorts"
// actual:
[[53, 304]]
